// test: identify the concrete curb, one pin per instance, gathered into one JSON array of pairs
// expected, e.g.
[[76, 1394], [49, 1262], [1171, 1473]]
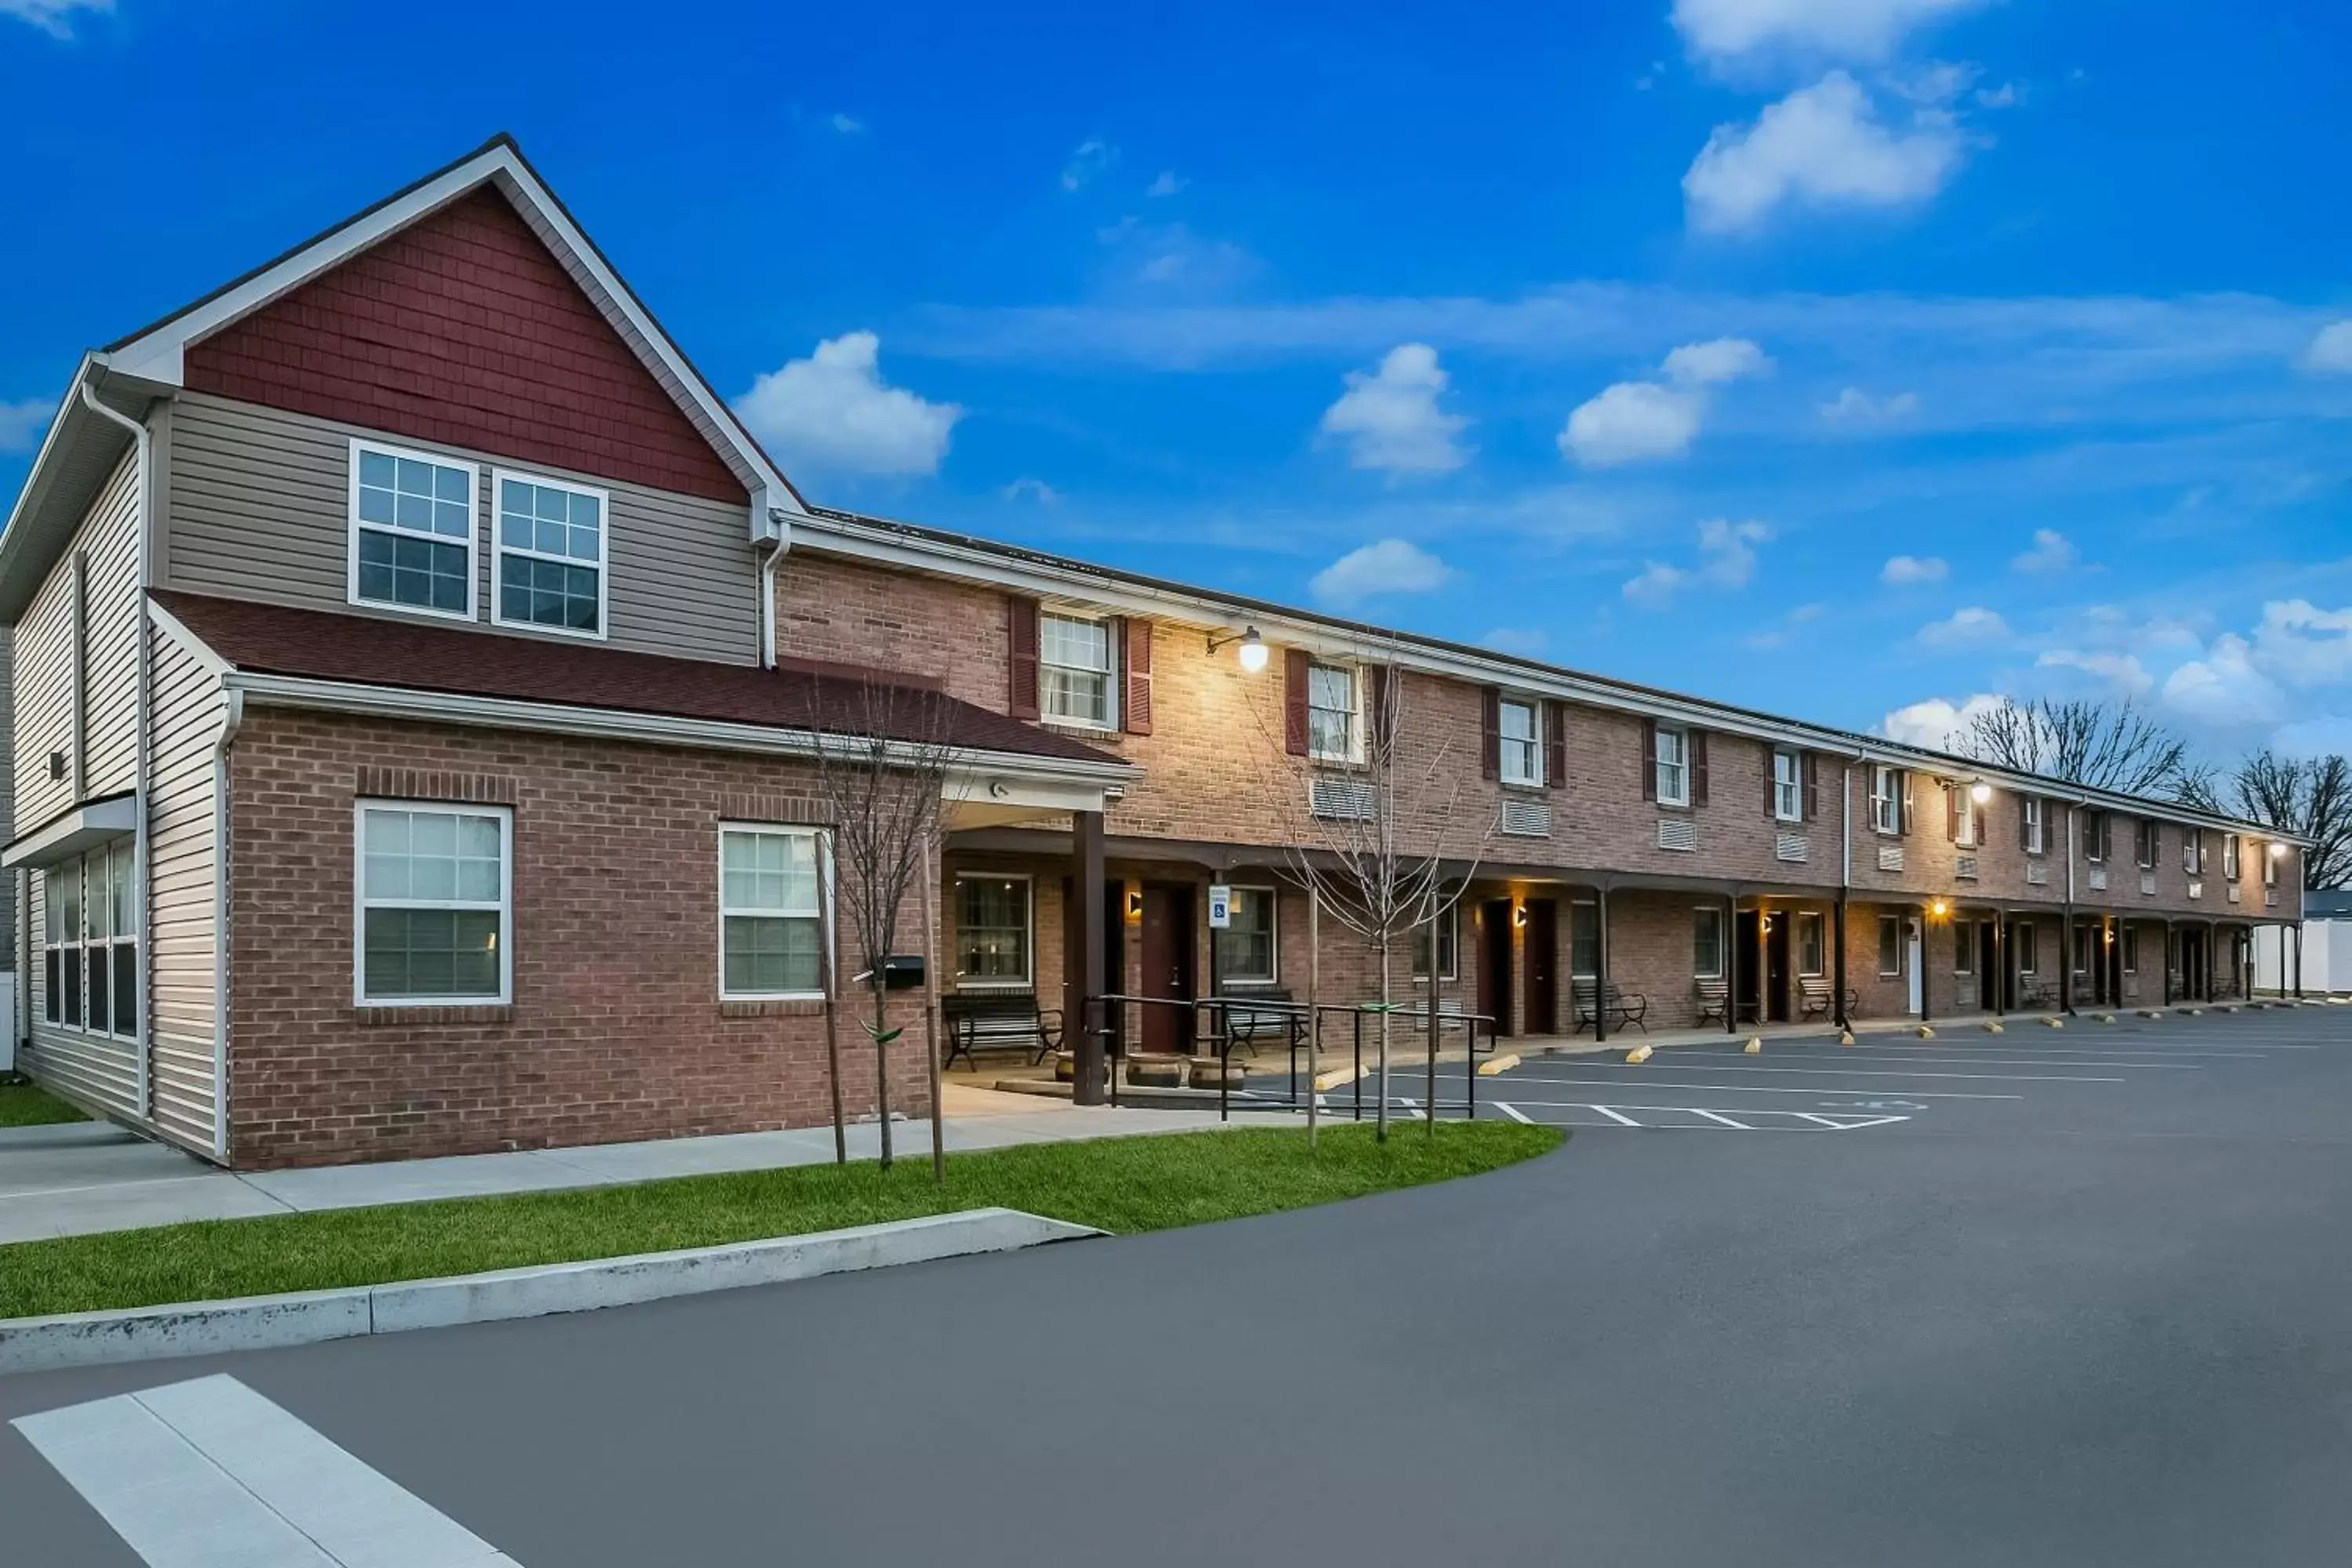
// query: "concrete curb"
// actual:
[[1497, 1066], [268, 1322]]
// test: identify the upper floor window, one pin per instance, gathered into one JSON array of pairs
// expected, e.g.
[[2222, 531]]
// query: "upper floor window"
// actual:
[[1886, 798], [1788, 787], [1964, 816], [1522, 753], [434, 908], [771, 916], [1331, 713], [2033, 812], [2230, 857], [1074, 662], [2146, 841], [1674, 767], [2192, 851], [411, 531], [2097, 827], [551, 553], [2270, 858]]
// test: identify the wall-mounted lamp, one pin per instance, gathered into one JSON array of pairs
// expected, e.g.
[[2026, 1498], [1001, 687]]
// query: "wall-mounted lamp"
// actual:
[[2278, 851], [1252, 649], [1519, 914], [1939, 910], [1135, 906], [1981, 791]]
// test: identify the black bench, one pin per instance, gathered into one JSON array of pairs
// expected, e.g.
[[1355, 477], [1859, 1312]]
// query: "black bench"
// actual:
[[1589, 999], [2033, 995], [978, 1019], [1714, 1001], [1264, 1014], [1815, 997]]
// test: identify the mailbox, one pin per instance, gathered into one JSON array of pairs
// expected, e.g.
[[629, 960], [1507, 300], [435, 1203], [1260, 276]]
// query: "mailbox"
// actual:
[[902, 971]]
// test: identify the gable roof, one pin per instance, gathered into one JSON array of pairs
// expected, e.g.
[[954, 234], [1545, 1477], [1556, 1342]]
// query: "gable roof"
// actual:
[[380, 653]]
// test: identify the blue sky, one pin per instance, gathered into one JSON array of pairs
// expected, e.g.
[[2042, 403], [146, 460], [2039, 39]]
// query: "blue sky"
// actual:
[[1841, 357]]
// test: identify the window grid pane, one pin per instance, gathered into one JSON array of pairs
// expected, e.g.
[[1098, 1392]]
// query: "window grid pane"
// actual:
[[1245, 949], [991, 930], [1521, 757], [1330, 710], [432, 893]]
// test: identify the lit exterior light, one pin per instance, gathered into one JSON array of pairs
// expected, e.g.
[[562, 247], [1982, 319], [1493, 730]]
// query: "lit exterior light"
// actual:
[[2278, 851], [1939, 910], [1252, 651], [1981, 791]]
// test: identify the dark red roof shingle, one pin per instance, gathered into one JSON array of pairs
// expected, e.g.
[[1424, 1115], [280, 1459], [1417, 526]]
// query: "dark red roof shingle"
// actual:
[[372, 651]]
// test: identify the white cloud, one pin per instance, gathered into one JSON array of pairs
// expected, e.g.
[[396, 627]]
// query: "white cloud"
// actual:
[[2007, 95], [2304, 644], [1390, 566], [1170, 256], [1822, 146], [1726, 560], [847, 125], [1390, 417], [1974, 627], [2328, 734], [2052, 551], [832, 410], [1527, 642], [1724, 30], [2224, 688], [1091, 157], [2331, 349], [1932, 723], [1037, 490], [54, 17], [1907, 571], [21, 424], [1855, 407], [1167, 184], [1655, 588], [1636, 421], [2122, 671]]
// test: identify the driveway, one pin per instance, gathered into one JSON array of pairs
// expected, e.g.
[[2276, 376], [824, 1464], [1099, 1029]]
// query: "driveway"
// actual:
[[2108, 1321]]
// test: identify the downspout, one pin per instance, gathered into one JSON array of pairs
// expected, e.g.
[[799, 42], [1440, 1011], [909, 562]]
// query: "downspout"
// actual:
[[142, 685], [232, 719], [772, 556], [1845, 882]]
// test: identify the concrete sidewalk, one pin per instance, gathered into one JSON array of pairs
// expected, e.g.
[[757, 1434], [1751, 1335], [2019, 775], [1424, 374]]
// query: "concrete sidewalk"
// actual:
[[88, 1176]]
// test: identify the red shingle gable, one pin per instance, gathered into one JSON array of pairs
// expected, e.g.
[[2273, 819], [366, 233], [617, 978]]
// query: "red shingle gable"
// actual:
[[463, 329]]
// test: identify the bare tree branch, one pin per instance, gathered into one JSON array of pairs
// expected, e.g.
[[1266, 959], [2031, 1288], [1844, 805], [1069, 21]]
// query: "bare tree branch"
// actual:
[[2310, 797], [2101, 746]]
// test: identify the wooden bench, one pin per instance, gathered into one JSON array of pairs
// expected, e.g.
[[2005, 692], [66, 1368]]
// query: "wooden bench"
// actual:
[[1815, 997], [1714, 1001], [2033, 995], [981, 1019], [1263, 1014], [1589, 998]]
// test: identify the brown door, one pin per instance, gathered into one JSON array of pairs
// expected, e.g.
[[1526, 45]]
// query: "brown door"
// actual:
[[1167, 964], [1748, 933], [1495, 964], [1776, 967], [1542, 966]]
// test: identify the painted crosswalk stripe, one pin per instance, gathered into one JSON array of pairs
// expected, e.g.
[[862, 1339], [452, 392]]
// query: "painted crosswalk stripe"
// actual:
[[1621, 1121], [1514, 1113], [208, 1473]]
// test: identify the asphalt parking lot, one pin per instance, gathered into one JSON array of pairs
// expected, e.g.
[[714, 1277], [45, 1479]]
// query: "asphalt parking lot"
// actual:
[[2101, 1315]]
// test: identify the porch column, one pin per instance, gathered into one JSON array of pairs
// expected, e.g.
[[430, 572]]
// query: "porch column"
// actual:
[[1600, 963], [2168, 960], [1926, 965], [1837, 963], [1087, 963], [2298, 961], [1732, 964], [1999, 959], [2067, 950]]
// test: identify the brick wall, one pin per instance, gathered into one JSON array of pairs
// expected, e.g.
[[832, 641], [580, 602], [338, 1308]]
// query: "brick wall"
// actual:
[[463, 329], [615, 1032]]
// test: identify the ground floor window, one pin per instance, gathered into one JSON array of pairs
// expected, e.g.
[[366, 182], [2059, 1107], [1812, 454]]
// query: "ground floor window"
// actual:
[[992, 930], [1812, 949], [770, 915], [89, 944], [1964, 947], [1245, 949], [1707, 943], [1583, 940], [2131, 950], [1448, 944], [2029, 955], [1890, 944], [434, 916]]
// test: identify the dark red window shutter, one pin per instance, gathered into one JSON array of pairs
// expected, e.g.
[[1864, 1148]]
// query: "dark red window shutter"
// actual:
[[1138, 707], [1380, 702], [1556, 744], [1649, 759], [1812, 787], [1021, 645], [1771, 783], [1295, 666], [1696, 740], [1902, 801], [1490, 733]]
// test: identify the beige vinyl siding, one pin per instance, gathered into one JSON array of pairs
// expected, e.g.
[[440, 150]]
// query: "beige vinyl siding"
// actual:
[[260, 508], [45, 646], [98, 1070], [183, 951], [8, 791]]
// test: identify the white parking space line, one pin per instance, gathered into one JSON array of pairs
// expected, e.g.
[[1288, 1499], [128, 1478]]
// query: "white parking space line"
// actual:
[[1645, 1119], [1514, 1113], [1727, 1120], [1655, 1064], [1622, 1078], [1968, 1061], [208, 1474], [1614, 1116]]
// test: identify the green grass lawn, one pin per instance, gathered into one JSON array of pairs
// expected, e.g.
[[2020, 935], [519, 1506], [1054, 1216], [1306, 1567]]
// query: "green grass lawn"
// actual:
[[1116, 1184], [23, 1105]]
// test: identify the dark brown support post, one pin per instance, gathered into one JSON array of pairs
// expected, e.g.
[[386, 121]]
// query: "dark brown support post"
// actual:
[[1837, 963], [2168, 960], [1926, 966], [1731, 963], [2298, 961], [1999, 959], [1087, 867], [1600, 962]]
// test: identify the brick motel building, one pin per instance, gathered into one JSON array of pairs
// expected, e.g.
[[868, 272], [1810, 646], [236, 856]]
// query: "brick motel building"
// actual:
[[416, 674]]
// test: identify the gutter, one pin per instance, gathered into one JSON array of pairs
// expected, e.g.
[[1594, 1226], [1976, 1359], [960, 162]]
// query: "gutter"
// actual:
[[232, 719]]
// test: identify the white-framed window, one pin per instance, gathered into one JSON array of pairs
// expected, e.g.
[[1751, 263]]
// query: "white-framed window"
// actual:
[[411, 531], [2146, 839], [2192, 851], [1584, 939], [2230, 857], [1522, 746], [2098, 835], [1964, 947], [1812, 944], [1673, 763], [436, 913], [1886, 799], [1246, 951], [2270, 858], [90, 942], [995, 927], [1449, 944], [1332, 733], [2131, 950], [1964, 816], [1788, 787], [2034, 809], [554, 540], [1074, 665], [772, 936], [1707, 943], [2027, 940], [1890, 944]]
